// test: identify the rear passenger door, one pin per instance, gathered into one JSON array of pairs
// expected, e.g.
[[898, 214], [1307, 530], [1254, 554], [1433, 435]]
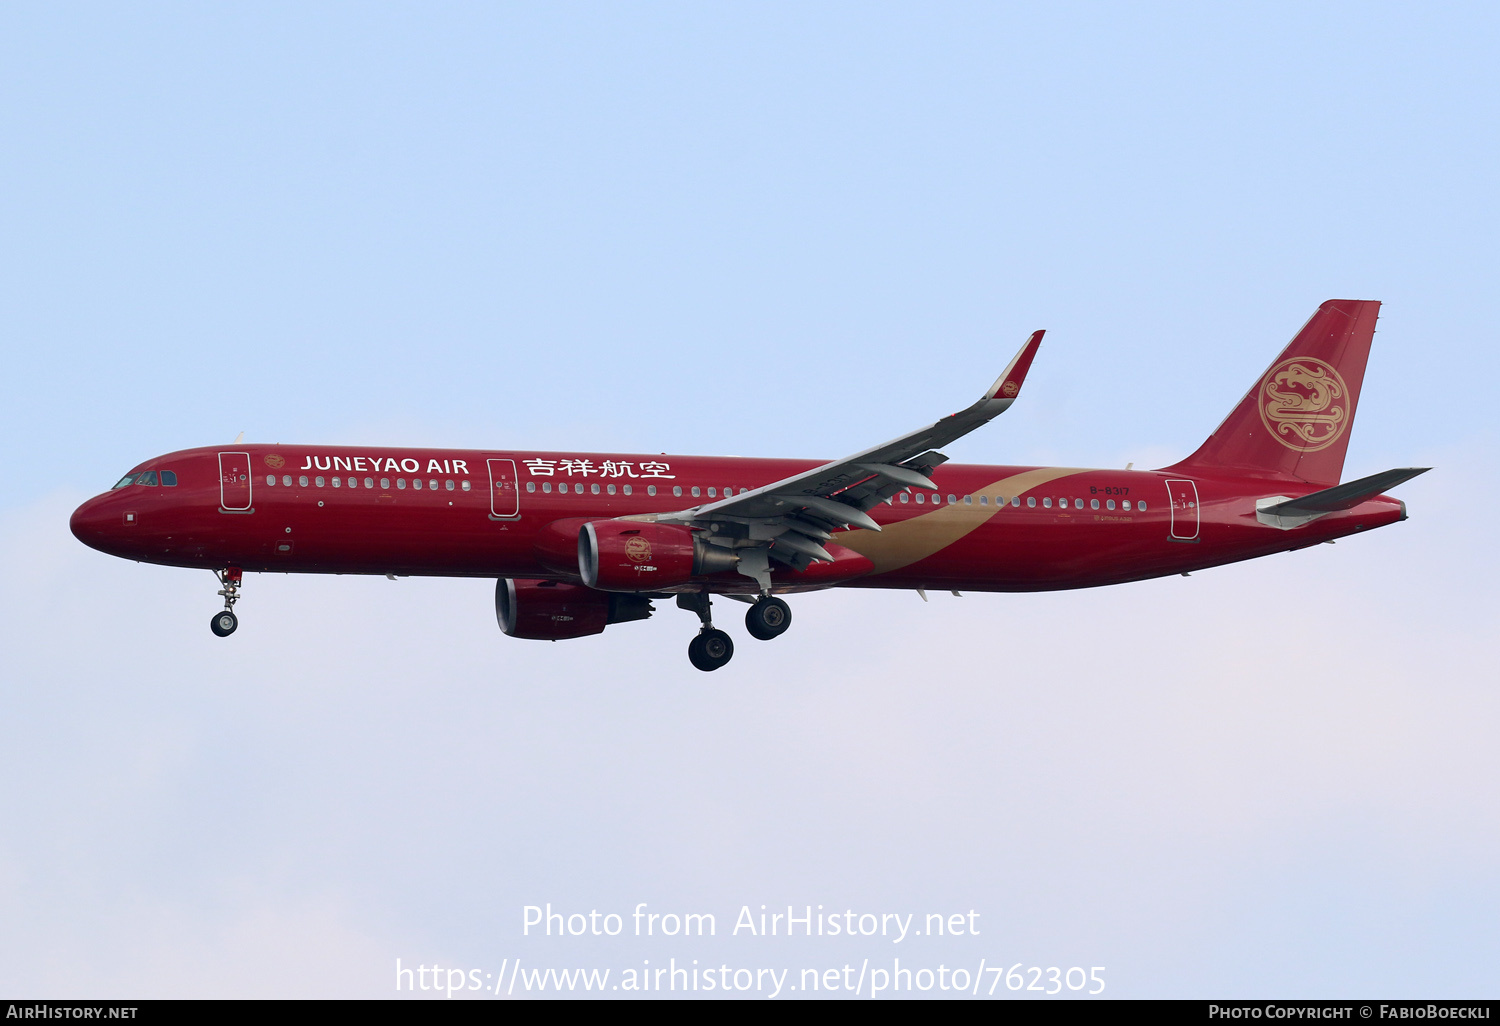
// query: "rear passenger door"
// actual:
[[1184, 506]]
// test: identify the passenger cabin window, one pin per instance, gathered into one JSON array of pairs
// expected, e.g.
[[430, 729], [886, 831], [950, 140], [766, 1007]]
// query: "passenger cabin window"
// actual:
[[1141, 506], [1094, 503], [1031, 500], [697, 491], [338, 482], [650, 489], [1047, 503], [546, 486], [286, 480], [401, 483], [302, 481], [531, 486], [1125, 504], [318, 481], [677, 490], [905, 496], [627, 489]]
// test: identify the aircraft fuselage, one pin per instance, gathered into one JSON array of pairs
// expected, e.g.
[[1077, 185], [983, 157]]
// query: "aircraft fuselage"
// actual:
[[475, 513]]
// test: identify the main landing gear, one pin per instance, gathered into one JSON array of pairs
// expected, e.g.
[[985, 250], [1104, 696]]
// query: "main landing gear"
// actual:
[[769, 618], [712, 648], [224, 623], [766, 619]]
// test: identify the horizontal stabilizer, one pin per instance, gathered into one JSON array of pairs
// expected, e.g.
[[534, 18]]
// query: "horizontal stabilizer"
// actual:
[[1344, 496]]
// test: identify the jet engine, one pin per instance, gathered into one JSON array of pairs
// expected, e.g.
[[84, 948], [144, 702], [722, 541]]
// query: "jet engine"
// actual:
[[553, 611], [633, 555]]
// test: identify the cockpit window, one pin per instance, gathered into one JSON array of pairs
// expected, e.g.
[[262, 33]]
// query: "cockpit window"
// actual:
[[168, 478]]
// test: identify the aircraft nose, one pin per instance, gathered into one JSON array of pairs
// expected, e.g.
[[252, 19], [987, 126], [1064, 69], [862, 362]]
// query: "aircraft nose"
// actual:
[[90, 524]]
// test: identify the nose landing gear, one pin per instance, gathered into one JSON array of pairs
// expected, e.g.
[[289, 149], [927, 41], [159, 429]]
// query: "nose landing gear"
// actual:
[[224, 623], [712, 648]]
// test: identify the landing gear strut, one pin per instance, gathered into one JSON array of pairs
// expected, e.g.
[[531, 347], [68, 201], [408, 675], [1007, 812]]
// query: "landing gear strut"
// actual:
[[712, 648], [769, 618], [224, 623]]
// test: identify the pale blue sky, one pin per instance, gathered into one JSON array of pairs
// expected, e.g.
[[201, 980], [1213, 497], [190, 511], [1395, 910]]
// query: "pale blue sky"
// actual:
[[760, 230]]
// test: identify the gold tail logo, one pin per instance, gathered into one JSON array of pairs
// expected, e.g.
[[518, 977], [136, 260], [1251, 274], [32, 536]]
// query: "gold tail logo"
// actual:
[[1304, 404]]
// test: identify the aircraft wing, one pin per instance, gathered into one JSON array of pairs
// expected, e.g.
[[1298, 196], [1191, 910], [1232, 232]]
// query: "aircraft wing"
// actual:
[[837, 494]]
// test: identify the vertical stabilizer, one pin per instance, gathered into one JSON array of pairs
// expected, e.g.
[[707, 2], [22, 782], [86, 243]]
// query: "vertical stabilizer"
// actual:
[[1295, 420]]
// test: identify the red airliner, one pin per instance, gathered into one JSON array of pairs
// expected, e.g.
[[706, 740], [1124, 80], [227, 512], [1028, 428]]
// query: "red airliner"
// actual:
[[579, 541]]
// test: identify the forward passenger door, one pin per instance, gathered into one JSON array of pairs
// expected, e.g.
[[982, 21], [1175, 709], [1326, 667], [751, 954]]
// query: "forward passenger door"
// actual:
[[234, 482]]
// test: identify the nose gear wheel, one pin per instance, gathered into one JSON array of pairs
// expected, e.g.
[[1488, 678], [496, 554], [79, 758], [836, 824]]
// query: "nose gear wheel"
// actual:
[[224, 623]]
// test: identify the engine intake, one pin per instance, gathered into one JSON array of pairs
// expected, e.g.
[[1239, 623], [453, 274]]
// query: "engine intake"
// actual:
[[553, 611], [632, 555]]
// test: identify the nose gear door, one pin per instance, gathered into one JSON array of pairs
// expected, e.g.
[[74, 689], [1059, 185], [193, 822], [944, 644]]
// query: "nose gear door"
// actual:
[[1184, 506], [234, 482]]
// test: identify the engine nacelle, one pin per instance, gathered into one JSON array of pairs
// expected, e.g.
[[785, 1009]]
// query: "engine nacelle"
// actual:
[[633, 555], [553, 611]]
